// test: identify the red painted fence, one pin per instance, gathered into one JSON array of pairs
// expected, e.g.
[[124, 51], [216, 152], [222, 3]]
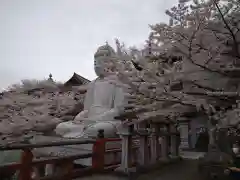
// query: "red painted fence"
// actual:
[[28, 163]]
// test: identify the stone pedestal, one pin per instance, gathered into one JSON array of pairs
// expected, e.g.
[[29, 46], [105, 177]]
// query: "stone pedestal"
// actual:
[[184, 134]]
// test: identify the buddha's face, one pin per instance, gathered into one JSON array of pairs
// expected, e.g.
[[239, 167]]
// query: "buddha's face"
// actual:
[[101, 66], [98, 67], [103, 59]]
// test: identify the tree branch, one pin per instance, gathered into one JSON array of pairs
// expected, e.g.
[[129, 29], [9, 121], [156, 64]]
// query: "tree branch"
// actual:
[[229, 29]]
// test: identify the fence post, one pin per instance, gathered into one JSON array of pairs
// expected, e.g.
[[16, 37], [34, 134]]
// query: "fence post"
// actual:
[[158, 141], [26, 165], [173, 141], [184, 133], [164, 143], [154, 143], [98, 158], [67, 168], [144, 150], [126, 159], [49, 169], [178, 141]]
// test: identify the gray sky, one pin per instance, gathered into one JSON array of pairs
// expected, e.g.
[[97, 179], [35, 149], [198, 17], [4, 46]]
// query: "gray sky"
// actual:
[[38, 37]]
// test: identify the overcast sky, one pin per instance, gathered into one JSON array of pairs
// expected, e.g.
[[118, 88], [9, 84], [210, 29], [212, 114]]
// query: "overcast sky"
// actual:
[[38, 37]]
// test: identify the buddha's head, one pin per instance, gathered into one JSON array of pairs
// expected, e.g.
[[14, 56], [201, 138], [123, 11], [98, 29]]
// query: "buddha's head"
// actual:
[[103, 60]]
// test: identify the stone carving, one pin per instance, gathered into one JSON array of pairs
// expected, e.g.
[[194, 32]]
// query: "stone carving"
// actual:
[[103, 102]]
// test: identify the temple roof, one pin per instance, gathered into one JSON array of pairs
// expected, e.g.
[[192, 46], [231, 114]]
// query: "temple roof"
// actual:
[[76, 80]]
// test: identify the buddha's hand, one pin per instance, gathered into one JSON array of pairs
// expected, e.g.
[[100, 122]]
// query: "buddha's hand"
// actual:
[[107, 116], [81, 116]]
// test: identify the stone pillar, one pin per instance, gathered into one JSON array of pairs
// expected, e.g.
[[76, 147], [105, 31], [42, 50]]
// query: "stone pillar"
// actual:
[[164, 143], [143, 149], [184, 133], [49, 169], [126, 159], [174, 144], [154, 143]]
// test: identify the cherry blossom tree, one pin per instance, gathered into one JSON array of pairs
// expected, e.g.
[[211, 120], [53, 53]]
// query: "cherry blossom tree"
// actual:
[[148, 81], [206, 35], [36, 107]]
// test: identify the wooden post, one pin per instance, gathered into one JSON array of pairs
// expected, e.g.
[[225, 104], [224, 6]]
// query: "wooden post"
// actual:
[[68, 169], [144, 150], [26, 165], [98, 158]]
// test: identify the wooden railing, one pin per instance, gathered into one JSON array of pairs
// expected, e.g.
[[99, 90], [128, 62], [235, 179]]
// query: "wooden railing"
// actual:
[[28, 163], [150, 151]]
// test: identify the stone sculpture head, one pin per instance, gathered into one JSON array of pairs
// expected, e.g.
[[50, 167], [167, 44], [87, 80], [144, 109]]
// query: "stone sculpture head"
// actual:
[[103, 60]]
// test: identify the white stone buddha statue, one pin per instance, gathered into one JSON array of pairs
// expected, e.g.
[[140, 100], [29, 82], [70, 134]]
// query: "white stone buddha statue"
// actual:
[[103, 102]]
